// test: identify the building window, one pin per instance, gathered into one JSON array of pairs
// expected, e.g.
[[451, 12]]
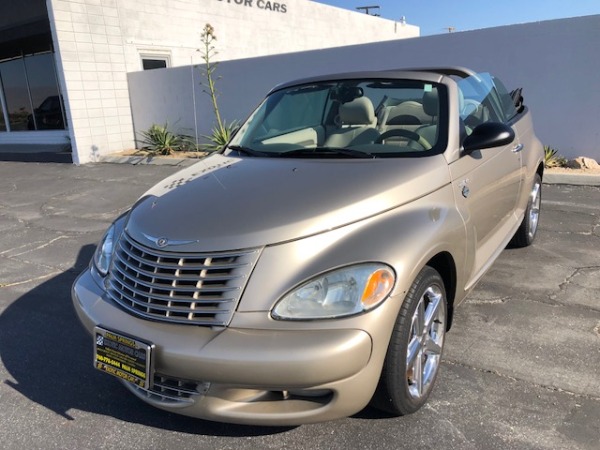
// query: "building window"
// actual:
[[30, 94], [16, 93], [150, 62]]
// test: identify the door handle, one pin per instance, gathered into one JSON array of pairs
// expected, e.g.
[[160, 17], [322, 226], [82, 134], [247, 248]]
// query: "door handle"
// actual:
[[517, 148]]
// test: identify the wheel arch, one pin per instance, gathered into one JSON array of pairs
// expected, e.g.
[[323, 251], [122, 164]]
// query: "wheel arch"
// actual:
[[445, 265], [540, 170]]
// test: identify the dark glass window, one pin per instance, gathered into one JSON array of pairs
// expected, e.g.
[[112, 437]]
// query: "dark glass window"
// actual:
[[44, 93], [31, 94], [149, 64], [2, 121], [16, 93]]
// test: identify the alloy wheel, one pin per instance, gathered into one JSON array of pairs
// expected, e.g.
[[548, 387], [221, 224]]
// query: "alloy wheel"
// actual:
[[426, 341]]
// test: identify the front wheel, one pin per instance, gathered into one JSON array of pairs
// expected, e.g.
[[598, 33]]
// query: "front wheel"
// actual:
[[528, 228], [415, 351]]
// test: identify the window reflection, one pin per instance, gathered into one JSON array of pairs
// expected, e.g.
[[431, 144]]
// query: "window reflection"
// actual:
[[15, 92], [31, 94], [44, 93], [48, 116]]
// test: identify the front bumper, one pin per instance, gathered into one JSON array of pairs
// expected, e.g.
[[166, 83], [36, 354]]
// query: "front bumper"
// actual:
[[247, 376]]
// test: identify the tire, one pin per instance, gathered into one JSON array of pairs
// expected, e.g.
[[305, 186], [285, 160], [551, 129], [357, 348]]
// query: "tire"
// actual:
[[415, 347], [527, 230]]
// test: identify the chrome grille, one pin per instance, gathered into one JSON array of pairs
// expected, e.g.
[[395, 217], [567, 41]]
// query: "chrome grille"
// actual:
[[168, 390], [191, 288]]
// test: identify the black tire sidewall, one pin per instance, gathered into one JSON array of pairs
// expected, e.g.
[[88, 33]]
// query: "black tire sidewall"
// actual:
[[522, 238], [393, 390], [530, 238]]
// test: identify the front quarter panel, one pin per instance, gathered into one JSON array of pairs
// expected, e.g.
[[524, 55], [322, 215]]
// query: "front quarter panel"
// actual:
[[404, 238]]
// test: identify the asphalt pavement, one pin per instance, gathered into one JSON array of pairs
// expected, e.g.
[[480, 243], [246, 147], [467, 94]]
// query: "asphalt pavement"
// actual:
[[521, 365]]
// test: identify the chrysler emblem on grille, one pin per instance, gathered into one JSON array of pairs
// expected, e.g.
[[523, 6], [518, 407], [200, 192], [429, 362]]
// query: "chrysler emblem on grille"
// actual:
[[163, 241]]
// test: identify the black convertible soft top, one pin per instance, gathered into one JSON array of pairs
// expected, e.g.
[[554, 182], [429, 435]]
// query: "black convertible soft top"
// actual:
[[517, 96]]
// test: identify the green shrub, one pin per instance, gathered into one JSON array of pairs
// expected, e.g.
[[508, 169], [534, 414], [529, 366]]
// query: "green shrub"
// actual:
[[159, 140], [552, 158], [220, 136]]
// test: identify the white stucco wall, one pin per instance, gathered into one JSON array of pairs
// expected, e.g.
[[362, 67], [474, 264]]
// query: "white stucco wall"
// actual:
[[245, 28], [98, 41], [555, 62]]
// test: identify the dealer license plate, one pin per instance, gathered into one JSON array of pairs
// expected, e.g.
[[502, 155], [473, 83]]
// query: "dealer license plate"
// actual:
[[123, 356]]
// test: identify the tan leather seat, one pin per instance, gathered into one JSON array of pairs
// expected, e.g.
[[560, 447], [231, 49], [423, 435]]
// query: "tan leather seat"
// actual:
[[408, 115], [431, 106], [357, 124]]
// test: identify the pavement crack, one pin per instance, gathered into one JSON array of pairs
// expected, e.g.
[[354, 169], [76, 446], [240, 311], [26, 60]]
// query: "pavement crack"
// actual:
[[562, 286], [550, 302], [456, 431], [487, 301], [576, 272], [565, 284], [39, 264], [521, 380], [29, 280], [39, 247]]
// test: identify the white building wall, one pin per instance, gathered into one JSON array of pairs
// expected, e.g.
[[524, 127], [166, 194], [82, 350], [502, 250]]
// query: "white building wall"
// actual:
[[245, 28], [92, 72], [555, 62], [98, 41]]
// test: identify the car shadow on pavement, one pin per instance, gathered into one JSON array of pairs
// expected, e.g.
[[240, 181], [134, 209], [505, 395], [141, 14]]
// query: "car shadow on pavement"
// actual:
[[49, 356]]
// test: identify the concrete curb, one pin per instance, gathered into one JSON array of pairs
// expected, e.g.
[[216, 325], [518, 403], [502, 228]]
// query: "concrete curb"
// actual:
[[578, 179], [149, 160]]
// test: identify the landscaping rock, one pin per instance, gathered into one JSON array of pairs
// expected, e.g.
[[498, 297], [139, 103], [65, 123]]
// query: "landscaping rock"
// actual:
[[583, 162]]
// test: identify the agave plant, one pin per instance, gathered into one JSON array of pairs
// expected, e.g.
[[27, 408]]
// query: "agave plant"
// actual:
[[220, 136], [159, 140], [222, 132], [552, 158]]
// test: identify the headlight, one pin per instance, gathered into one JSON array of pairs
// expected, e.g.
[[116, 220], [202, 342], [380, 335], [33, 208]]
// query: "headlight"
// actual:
[[104, 251], [341, 292]]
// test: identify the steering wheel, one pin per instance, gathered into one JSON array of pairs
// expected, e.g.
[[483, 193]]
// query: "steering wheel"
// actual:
[[404, 133], [469, 107]]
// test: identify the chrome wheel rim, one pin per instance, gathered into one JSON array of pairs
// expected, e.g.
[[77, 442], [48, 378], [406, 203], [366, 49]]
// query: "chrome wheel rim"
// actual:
[[424, 352], [534, 211]]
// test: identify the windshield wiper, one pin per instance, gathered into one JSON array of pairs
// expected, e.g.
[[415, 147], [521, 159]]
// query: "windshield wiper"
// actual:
[[246, 150], [325, 151]]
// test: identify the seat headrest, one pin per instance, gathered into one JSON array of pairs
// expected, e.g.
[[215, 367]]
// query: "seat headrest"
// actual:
[[431, 104], [359, 111], [408, 112]]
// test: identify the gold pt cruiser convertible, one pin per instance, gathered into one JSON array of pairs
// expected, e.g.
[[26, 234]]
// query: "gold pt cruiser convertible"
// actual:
[[313, 265]]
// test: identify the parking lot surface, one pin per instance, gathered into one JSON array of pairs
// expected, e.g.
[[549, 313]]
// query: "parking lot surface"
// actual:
[[521, 365]]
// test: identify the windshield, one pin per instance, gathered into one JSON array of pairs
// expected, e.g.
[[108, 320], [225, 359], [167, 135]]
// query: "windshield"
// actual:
[[348, 119]]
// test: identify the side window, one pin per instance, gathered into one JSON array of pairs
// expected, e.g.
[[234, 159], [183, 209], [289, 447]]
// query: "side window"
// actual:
[[508, 105], [480, 102]]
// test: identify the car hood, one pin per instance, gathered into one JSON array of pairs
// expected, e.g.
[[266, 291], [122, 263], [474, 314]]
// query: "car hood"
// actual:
[[230, 203]]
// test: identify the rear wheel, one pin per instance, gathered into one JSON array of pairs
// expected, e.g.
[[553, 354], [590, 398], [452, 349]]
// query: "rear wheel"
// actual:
[[415, 351], [528, 228]]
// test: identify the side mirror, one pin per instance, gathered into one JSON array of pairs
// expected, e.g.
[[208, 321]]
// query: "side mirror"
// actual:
[[487, 135]]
